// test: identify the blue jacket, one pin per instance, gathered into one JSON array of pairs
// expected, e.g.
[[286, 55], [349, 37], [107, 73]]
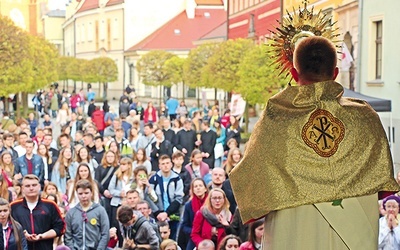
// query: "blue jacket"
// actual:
[[187, 223], [172, 104], [61, 182], [174, 192], [115, 187], [222, 136], [21, 166], [33, 124]]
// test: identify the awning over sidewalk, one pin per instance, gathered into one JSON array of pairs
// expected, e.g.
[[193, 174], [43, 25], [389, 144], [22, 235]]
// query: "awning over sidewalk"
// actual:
[[379, 105]]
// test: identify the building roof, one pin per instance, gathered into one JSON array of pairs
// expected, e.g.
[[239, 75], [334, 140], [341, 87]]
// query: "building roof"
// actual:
[[94, 4], [209, 2], [180, 32], [219, 32], [56, 13], [114, 2], [88, 5]]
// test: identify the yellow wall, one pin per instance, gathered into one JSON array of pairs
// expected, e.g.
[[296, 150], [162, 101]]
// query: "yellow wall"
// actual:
[[18, 11], [100, 30], [318, 5]]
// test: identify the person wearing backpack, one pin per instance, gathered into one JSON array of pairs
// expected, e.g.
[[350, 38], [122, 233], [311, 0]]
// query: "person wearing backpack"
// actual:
[[136, 230], [169, 188]]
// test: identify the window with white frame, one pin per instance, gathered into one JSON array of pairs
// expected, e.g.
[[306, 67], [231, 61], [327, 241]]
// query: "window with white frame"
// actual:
[[78, 33], [102, 30], [90, 32], [378, 49], [83, 33], [115, 29]]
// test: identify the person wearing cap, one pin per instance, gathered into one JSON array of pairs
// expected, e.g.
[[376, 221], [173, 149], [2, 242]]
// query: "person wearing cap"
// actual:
[[389, 230], [316, 161]]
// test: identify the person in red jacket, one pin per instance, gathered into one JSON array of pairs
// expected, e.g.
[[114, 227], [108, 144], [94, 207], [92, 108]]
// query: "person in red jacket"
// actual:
[[256, 232], [98, 120], [74, 101], [212, 219], [150, 114]]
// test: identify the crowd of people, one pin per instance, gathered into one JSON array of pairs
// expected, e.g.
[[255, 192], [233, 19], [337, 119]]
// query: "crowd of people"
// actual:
[[140, 177], [146, 177]]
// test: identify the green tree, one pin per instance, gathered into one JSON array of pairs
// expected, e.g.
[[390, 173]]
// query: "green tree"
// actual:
[[194, 66], [174, 68], [223, 65], [63, 67], [258, 77], [15, 66], [77, 70], [102, 70], [45, 62], [195, 63], [152, 70]]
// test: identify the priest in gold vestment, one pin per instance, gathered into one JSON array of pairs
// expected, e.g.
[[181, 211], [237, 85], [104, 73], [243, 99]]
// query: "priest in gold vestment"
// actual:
[[315, 162]]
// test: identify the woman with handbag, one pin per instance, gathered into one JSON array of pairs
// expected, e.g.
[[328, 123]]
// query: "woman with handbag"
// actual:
[[103, 175]]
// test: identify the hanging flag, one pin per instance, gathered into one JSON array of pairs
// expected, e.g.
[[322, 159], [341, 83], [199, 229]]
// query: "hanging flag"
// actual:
[[347, 59]]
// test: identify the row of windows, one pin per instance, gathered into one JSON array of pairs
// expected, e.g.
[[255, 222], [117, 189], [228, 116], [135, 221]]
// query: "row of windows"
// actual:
[[97, 30], [239, 5]]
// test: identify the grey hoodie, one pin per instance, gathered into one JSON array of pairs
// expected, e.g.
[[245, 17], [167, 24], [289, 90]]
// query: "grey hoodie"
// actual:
[[144, 233], [90, 229]]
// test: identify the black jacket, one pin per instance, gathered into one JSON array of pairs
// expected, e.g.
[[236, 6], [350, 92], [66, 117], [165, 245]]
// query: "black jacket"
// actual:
[[169, 135], [208, 141], [165, 148], [102, 173], [45, 216], [91, 109], [186, 139]]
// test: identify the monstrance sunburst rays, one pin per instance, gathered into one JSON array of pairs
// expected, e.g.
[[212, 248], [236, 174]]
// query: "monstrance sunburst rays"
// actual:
[[294, 26]]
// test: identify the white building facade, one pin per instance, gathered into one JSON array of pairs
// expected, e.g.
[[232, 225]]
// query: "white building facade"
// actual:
[[379, 62]]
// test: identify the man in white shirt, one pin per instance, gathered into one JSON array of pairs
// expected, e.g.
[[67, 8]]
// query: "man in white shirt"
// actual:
[[22, 138]]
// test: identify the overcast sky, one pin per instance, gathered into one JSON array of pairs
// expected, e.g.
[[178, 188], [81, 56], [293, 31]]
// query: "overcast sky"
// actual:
[[57, 4]]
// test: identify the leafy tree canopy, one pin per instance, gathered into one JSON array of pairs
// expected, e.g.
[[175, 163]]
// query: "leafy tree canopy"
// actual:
[[174, 68], [258, 78], [152, 69], [222, 66], [15, 63], [45, 64], [195, 63], [102, 69], [76, 69]]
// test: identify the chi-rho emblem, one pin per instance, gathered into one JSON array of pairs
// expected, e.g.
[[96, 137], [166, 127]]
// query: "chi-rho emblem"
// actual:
[[323, 132]]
